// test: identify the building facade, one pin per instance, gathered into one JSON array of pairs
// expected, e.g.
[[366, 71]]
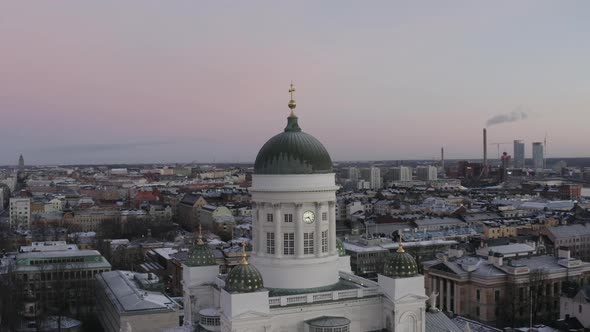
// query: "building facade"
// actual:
[[376, 180], [20, 212], [500, 291], [426, 173], [538, 156], [519, 154], [402, 173], [59, 277]]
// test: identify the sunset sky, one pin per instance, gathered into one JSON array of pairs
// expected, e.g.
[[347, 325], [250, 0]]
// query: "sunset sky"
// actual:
[[178, 81]]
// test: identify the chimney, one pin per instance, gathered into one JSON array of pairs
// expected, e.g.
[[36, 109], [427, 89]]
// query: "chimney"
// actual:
[[485, 149], [442, 160], [563, 253], [497, 259]]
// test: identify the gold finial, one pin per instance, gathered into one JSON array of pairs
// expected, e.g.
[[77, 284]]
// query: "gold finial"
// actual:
[[401, 244], [244, 260], [292, 103], [200, 237]]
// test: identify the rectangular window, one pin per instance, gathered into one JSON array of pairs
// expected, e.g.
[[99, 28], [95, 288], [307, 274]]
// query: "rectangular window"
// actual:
[[478, 295], [270, 243], [325, 241], [324, 216], [497, 296], [308, 243], [289, 244], [269, 217], [288, 217]]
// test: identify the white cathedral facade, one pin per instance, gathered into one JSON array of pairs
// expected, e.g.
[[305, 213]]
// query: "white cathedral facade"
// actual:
[[298, 277]]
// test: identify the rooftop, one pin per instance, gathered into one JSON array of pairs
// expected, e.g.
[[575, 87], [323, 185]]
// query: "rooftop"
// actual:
[[128, 297]]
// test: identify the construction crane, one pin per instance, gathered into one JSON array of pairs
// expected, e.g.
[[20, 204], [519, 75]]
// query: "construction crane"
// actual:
[[498, 146]]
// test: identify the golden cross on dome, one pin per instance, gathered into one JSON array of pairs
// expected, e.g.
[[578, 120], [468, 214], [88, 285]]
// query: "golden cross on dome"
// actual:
[[200, 236], [401, 240], [291, 90], [244, 260], [292, 103]]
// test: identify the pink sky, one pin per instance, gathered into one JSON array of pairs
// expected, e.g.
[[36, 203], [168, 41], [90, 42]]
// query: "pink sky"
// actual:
[[153, 81]]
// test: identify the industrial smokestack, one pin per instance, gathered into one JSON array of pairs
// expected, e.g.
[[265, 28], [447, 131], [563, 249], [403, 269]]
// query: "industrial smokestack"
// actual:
[[485, 149], [442, 160]]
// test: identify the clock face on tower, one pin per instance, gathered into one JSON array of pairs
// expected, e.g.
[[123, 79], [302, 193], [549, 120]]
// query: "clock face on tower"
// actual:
[[308, 217]]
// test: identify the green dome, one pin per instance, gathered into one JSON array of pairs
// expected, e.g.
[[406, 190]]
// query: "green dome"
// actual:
[[201, 255], [340, 248], [243, 278], [292, 152], [400, 265]]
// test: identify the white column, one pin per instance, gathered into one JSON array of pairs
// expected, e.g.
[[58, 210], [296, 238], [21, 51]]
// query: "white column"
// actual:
[[298, 231], [278, 236], [258, 223], [332, 227], [318, 230]]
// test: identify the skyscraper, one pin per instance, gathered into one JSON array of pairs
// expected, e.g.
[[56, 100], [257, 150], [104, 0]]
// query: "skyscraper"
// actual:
[[375, 178], [353, 175], [426, 173], [21, 167], [538, 158], [518, 154], [402, 173]]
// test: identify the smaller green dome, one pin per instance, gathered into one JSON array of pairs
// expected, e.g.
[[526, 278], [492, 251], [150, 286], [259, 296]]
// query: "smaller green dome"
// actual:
[[201, 255], [243, 278], [400, 265], [340, 247]]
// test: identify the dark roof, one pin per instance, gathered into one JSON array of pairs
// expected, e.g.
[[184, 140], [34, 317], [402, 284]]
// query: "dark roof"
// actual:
[[190, 199], [293, 152]]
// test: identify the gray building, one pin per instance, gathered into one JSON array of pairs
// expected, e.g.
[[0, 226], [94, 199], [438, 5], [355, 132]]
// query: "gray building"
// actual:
[[576, 237], [538, 156], [123, 305], [518, 154], [402, 173]]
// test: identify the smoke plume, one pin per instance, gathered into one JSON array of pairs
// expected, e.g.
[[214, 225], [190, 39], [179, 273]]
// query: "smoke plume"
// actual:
[[516, 115]]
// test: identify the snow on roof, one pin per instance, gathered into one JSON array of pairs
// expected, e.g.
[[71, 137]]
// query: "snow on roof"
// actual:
[[128, 297], [165, 252]]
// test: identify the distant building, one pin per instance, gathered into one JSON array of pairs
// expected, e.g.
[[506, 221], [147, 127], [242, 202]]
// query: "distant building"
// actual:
[[538, 157], [125, 304], [363, 184], [518, 154], [426, 173], [90, 220], [576, 237], [216, 218], [51, 269], [20, 212], [376, 178], [402, 173], [353, 174], [188, 210], [21, 167]]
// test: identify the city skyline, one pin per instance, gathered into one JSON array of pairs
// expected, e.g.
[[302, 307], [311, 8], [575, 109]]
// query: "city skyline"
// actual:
[[207, 82]]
